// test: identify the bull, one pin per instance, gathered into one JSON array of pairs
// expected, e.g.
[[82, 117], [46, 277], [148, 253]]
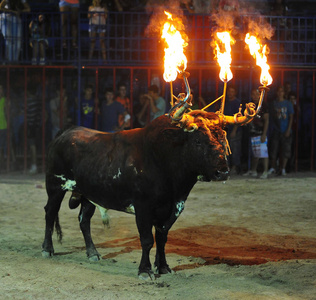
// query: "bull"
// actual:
[[148, 172]]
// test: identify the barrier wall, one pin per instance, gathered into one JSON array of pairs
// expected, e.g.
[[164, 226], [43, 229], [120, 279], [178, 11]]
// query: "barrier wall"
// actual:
[[128, 42], [19, 82]]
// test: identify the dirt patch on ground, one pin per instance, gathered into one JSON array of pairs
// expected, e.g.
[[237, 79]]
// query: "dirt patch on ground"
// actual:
[[243, 239]]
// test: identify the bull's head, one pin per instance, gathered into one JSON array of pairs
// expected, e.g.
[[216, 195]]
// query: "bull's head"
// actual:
[[208, 146], [212, 124]]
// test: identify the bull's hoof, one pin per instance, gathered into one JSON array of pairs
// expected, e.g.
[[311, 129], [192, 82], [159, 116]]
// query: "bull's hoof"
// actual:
[[94, 258], [47, 254], [164, 270], [146, 275]]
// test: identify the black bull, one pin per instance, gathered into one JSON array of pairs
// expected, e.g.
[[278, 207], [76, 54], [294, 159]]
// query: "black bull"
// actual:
[[148, 171]]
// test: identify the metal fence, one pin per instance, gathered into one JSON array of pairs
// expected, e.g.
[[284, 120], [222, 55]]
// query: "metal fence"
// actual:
[[204, 82], [127, 43]]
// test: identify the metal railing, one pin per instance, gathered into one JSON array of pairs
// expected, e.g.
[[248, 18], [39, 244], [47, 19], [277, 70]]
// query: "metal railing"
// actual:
[[293, 42], [204, 82]]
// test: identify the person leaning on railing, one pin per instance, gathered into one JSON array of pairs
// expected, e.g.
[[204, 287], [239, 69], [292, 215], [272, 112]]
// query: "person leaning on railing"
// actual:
[[11, 26]]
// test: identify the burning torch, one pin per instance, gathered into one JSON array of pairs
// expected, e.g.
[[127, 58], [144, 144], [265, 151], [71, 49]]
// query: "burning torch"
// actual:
[[175, 63], [224, 60], [259, 52]]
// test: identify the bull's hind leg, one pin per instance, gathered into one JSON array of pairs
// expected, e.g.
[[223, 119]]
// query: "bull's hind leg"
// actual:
[[86, 212], [160, 261], [55, 197]]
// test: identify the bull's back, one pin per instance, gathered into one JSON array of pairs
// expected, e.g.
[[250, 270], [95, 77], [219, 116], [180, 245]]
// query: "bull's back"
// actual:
[[99, 165]]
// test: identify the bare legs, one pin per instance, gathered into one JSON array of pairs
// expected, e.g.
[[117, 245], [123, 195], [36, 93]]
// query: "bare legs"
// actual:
[[102, 44], [69, 13]]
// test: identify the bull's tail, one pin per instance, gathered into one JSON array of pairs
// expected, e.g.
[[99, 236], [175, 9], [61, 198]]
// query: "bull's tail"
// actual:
[[58, 229]]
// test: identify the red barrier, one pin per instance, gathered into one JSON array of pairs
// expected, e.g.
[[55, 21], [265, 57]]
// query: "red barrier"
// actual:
[[202, 79]]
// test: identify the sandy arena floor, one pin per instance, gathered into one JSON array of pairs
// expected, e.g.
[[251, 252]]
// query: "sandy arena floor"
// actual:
[[243, 239]]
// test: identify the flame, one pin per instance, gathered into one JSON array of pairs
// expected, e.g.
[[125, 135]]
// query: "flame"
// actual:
[[259, 53], [224, 58], [175, 61]]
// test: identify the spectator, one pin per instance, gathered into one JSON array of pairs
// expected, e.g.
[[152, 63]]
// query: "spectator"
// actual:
[[38, 42], [295, 125], [88, 108], [258, 134], [111, 111], [281, 139], [287, 90], [34, 109], [3, 127], [125, 101], [234, 132], [60, 101], [17, 112], [11, 26], [197, 102], [72, 102], [142, 114], [97, 17], [156, 104], [69, 11]]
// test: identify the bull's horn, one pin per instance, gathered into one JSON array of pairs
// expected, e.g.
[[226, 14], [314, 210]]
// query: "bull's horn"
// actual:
[[249, 113], [184, 100]]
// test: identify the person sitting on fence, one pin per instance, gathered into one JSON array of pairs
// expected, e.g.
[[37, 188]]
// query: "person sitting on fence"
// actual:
[[38, 42], [97, 17]]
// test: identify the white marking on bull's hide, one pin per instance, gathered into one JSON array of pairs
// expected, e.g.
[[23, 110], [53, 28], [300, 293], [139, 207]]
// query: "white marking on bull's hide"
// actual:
[[80, 218], [103, 211], [130, 209], [180, 208], [135, 171], [200, 178], [69, 185], [118, 174]]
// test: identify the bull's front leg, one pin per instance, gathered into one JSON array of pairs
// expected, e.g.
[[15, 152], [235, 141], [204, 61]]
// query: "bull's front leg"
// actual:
[[144, 225], [161, 262], [162, 235], [86, 212]]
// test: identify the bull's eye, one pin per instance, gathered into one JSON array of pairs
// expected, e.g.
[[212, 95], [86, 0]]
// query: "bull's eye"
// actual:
[[198, 142]]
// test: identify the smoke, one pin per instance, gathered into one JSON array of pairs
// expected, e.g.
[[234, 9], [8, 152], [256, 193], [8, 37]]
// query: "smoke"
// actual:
[[260, 28], [241, 20], [158, 17]]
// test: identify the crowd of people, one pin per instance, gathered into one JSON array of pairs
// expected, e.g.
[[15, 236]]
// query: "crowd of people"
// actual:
[[268, 138], [39, 28]]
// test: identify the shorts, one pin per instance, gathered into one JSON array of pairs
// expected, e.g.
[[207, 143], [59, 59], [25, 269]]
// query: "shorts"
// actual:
[[64, 3], [34, 41], [259, 150], [97, 28], [280, 143]]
